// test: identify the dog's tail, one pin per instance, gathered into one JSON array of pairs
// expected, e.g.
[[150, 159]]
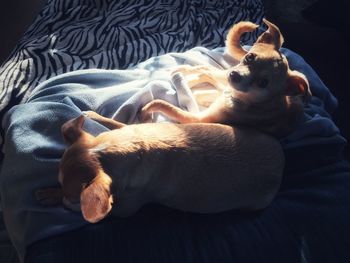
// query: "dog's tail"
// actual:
[[233, 38], [72, 130]]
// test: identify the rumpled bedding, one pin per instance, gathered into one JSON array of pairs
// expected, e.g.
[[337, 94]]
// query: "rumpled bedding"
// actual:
[[34, 145], [307, 222], [70, 35]]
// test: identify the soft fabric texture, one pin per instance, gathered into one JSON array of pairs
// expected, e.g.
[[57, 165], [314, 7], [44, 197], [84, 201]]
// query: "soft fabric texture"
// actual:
[[71, 35], [308, 222], [33, 136]]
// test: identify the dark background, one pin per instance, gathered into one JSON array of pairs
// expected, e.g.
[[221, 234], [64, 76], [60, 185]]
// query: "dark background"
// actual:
[[319, 31], [316, 29]]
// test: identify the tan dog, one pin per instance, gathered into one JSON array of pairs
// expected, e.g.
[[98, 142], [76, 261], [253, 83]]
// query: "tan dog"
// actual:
[[261, 91], [204, 168]]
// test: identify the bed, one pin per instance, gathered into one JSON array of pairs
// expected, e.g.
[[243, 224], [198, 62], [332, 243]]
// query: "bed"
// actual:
[[83, 55]]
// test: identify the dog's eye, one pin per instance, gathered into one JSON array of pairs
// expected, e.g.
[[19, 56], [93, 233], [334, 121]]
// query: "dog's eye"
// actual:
[[250, 57], [262, 83]]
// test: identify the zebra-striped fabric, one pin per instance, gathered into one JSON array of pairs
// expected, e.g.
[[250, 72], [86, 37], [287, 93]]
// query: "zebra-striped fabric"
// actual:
[[108, 34]]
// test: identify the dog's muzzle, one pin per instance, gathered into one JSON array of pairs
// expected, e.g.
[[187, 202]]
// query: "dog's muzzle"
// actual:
[[236, 81], [234, 77]]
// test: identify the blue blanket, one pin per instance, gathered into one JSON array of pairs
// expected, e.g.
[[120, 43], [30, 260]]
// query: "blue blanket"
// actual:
[[34, 146]]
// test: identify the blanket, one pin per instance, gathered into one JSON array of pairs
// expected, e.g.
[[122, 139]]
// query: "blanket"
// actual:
[[33, 137], [71, 35]]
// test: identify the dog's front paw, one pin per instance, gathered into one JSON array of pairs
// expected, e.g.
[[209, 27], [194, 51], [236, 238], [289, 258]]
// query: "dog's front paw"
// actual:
[[181, 69], [91, 115], [49, 196]]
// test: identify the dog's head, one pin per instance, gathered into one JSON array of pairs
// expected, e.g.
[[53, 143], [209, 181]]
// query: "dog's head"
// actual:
[[85, 185], [263, 72]]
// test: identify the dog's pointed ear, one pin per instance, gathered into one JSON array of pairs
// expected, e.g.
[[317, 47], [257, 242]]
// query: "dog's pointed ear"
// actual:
[[297, 84], [271, 36], [96, 199], [72, 129]]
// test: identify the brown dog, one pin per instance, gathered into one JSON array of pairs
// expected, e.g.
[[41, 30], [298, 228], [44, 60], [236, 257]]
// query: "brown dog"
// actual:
[[202, 168], [261, 91]]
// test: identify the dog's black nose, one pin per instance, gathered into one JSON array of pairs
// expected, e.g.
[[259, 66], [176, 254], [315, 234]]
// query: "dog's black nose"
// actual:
[[235, 77]]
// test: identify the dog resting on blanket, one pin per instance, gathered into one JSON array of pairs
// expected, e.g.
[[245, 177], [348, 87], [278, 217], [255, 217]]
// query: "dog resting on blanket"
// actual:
[[261, 91], [203, 167]]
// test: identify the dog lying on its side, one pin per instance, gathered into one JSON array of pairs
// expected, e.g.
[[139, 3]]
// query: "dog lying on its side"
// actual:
[[260, 92], [204, 168]]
